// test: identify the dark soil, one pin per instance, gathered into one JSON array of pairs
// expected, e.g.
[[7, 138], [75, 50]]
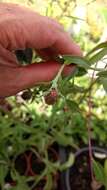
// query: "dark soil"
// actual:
[[80, 177], [29, 164], [37, 165], [21, 164]]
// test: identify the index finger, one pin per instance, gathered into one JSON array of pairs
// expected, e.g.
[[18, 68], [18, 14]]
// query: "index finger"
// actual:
[[64, 44]]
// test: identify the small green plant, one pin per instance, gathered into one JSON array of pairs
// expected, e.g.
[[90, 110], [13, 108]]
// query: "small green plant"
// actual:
[[100, 172], [65, 114]]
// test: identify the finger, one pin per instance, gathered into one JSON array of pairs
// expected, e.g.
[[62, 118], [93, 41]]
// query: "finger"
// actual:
[[65, 45], [23, 29], [46, 54], [46, 32], [41, 73], [57, 49], [20, 78], [35, 31], [7, 58]]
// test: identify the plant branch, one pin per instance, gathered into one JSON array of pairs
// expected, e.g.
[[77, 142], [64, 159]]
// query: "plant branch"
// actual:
[[89, 114]]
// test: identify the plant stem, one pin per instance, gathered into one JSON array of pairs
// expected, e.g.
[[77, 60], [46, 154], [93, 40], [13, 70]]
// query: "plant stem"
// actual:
[[88, 89], [55, 81], [40, 177], [89, 126], [89, 137]]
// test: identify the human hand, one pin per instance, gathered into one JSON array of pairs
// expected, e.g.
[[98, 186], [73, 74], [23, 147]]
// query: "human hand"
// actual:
[[22, 28]]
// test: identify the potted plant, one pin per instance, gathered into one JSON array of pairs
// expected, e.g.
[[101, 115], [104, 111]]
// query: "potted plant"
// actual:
[[79, 175]]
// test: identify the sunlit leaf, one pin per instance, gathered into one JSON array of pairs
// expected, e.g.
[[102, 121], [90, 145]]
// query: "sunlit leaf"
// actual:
[[98, 47], [98, 56]]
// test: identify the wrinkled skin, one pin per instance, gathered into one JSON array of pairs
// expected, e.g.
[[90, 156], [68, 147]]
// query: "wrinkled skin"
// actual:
[[22, 28]]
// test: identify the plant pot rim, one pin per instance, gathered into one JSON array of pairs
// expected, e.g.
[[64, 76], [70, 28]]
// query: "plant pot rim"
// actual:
[[29, 163], [63, 157], [94, 148], [78, 153]]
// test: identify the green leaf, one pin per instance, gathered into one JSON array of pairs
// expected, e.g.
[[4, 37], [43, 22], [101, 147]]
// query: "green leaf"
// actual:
[[99, 46], [62, 139], [81, 72], [14, 175], [102, 73], [105, 172], [104, 83], [3, 172], [20, 186], [73, 106], [98, 56], [21, 180], [99, 172], [80, 61], [5, 133], [49, 182], [68, 163]]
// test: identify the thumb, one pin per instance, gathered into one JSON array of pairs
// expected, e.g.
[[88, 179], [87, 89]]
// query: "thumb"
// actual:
[[42, 72], [16, 79]]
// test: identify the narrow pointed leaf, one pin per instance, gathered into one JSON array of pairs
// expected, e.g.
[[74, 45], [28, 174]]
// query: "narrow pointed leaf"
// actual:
[[104, 83], [102, 73], [81, 62], [98, 56], [99, 46]]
